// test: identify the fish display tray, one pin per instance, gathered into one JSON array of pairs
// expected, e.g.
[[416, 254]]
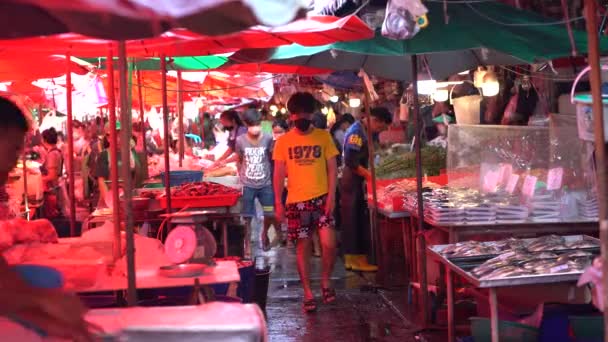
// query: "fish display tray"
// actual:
[[484, 257], [462, 267]]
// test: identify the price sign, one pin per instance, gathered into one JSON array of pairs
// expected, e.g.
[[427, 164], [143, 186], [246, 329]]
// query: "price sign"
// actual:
[[555, 178], [529, 186], [512, 183], [490, 174]]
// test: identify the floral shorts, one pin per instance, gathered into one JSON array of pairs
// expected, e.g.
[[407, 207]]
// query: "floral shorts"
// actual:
[[303, 218]]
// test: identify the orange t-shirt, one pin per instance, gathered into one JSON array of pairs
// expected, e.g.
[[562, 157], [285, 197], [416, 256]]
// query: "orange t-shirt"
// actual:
[[305, 156]]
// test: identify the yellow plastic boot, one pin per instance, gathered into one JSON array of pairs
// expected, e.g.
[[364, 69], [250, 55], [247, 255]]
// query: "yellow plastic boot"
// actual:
[[348, 261], [359, 263]]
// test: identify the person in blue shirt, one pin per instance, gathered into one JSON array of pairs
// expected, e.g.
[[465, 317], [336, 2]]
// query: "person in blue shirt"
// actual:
[[355, 223]]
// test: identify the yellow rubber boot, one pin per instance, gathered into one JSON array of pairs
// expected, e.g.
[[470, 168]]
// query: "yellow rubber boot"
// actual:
[[360, 264], [348, 261]]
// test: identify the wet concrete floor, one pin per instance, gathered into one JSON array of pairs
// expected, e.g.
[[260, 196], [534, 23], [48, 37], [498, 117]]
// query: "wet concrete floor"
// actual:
[[362, 311]]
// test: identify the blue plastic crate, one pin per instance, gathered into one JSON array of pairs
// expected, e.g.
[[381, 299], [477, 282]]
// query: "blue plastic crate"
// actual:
[[177, 178]]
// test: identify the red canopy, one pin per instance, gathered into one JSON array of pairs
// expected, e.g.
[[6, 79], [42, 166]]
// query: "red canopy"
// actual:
[[132, 19], [318, 30], [34, 68]]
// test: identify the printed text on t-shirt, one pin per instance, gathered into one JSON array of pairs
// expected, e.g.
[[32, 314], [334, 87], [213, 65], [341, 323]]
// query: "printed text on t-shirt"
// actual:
[[304, 155]]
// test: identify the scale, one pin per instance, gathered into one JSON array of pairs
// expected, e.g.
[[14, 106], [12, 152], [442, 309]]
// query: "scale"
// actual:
[[190, 249]]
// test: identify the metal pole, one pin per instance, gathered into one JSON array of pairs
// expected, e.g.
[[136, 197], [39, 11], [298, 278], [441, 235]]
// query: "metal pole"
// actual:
[[25, 199], [163, 70], [127, 177], [180, 117], [142, 119], [419, 233], [70, 161], [373, 218], [595, 81], [113, 155]]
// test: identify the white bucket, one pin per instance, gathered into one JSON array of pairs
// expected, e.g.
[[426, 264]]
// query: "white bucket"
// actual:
[[467, 109]]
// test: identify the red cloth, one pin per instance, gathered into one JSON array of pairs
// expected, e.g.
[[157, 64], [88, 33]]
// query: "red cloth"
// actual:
[[5, 212]]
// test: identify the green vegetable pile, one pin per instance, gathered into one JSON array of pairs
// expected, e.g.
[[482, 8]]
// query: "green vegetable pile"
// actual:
[[403, 165]]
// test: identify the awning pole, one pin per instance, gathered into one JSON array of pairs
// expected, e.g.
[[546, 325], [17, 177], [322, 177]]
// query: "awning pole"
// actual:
[[117, 250], [420, 231], [70, 161], [180, 117], [127, 177], [142, 119], [163, 70], [595, 80], [373, 211]]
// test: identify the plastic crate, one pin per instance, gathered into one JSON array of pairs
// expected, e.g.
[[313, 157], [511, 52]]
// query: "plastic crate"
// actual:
[[507, 331], [587, 328], [177, 178], [211, 201]]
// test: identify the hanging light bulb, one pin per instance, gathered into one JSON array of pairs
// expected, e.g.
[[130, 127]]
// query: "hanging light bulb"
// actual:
[[490, 85], [334, 98], [427, 87], [324, 110], [478, 77], [273, 108], [283, 110], [354, 103], [441, 95]]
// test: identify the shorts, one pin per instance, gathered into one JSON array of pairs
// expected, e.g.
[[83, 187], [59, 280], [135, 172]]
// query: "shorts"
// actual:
[[264, 195], [303, 218]]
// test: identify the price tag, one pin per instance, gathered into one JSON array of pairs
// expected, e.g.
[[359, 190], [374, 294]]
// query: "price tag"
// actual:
[[512, 183], [506, 170], [554, 178], [529, 186], [490, 174]]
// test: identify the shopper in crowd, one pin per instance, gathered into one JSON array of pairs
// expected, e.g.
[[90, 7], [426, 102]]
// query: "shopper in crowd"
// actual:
[[102, 169], [231, 122], [279, 128], [355, 223], [51, 169], [307, 155], [57, 313], [338, 130], [208, 136], [254, 155]]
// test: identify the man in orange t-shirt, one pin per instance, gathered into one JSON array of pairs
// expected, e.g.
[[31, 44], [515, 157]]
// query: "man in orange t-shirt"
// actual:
[[308, 155]]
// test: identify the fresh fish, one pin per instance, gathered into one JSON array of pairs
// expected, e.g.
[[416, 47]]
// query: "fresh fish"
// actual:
[[507, 271], [538, 265], [545, 255], [574, 255], [579, 265], [547, 246], [542, 242], [583, 244]]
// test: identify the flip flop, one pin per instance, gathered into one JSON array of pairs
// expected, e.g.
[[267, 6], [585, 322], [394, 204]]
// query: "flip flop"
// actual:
[[329, 295], [309, 305]]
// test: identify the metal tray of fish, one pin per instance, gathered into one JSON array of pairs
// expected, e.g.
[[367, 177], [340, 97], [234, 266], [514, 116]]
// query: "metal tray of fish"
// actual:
[[509, 275], [473, 251]]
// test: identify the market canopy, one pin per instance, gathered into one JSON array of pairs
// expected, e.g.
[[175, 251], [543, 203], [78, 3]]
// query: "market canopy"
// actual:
[[195, 63], [317, 30], [133, 19], [477, 34], [24, 68]]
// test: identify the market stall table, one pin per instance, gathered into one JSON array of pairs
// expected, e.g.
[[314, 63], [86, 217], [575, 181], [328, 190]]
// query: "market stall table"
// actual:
[[207, 322], [491, 285], [402, 219]]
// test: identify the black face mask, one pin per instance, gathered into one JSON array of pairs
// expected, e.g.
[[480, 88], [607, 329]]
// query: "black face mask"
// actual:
[[302, 124], [228, 128]]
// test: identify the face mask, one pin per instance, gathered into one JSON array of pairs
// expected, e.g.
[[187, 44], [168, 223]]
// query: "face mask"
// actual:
[[276, 136], [228, 128], [254, 130], [303, 124]]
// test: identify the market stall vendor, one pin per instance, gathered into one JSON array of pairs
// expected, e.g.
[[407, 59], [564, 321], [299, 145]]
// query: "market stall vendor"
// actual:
[[232, 122], [442, 121], [53, 312], [353, 214], [51, 170]]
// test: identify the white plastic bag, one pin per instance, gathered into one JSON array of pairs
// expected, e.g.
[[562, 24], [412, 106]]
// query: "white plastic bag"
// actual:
[[401, 19]]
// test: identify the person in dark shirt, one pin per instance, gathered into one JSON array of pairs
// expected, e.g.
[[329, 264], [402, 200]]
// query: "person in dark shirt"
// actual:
[[232, 122], [355, 223]]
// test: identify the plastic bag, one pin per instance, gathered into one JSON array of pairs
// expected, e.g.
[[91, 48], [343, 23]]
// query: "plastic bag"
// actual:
[[401, 19]]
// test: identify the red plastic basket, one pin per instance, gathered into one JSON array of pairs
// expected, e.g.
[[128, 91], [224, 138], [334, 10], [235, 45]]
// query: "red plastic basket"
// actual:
[[211, 201]]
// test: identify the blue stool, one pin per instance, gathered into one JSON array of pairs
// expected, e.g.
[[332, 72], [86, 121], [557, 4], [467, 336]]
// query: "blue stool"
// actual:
[[42, 277]]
